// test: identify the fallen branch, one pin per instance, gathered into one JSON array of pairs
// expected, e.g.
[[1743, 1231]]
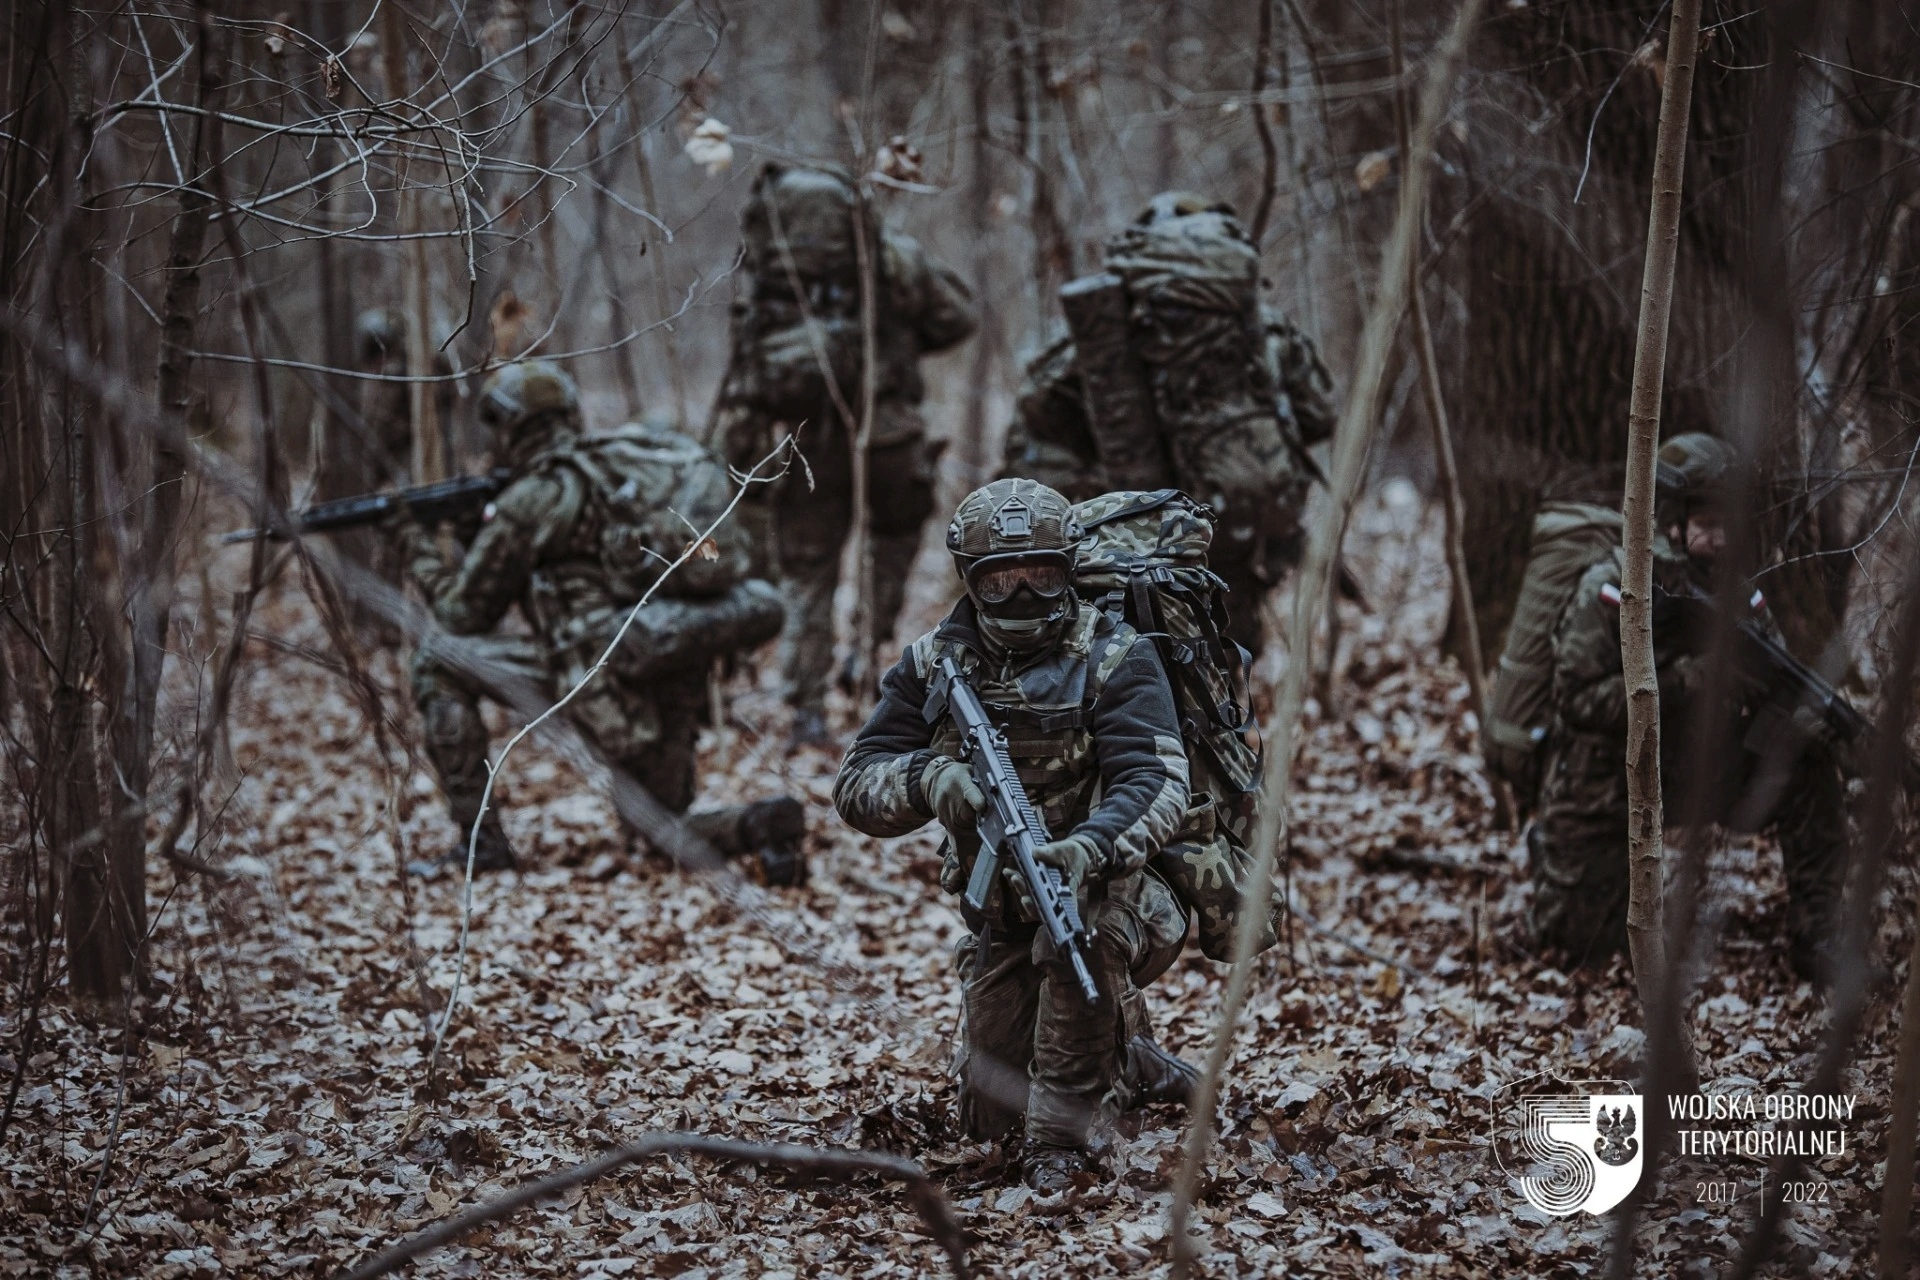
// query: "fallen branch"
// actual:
[[927, 1198]]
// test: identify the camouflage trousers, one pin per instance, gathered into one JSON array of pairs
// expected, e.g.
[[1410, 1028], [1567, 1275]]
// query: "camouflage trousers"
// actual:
[[810, 528], [649, 734], [1032, 1045], [1577, 846]]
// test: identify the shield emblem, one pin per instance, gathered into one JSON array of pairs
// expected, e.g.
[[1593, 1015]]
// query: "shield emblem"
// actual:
[[1585, 1149]]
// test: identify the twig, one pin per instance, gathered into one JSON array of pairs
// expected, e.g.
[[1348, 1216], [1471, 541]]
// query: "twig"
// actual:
[[927, 1198], [1270, 173], [1350, 446]]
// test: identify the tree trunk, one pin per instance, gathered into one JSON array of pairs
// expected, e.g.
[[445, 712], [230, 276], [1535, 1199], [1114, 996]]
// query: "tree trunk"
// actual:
[[1896, 1196], [429, 447], [973, 440]]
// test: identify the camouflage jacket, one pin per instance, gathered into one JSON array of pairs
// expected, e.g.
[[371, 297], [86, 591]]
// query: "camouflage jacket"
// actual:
[[1090, 726], [1589, 687], [1051, 441], [924, 308], [581, 533]]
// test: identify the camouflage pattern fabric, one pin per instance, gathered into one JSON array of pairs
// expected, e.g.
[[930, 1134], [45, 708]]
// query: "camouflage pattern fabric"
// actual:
[[1236, 421], [773, 385], [573, 541], [1160, 541], [1578, 844], [1093, 734], [1030, 1036], [1568, 538]]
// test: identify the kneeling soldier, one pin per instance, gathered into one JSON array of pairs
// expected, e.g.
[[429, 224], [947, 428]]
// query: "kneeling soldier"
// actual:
[[1089, 716], [586, 526]]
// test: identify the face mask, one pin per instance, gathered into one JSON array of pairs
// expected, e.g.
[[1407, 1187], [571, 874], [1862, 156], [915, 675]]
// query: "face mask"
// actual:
[[1025, 635]]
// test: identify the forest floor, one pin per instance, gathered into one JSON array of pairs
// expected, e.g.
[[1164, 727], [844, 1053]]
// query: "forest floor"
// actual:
[[272, 1113]]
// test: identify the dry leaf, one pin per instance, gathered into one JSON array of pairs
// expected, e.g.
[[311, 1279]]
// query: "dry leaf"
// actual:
[[899, 160], [707, 550], [707, 146], [1372, 169], [895, 25]]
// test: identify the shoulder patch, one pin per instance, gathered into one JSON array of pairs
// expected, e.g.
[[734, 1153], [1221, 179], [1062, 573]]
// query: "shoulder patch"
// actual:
[[1610, 593]]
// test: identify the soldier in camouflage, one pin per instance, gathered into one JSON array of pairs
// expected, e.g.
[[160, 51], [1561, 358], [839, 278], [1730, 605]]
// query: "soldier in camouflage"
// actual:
[[1092, 731], [1577, 846], [380, 346], [1174, 373], [586, 526], [795, 364]]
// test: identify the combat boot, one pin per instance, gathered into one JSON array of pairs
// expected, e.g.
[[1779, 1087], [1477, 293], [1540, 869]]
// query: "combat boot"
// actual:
[[772, 831], [492, 852], [766, 835], [1154, 1075], [1054, 1170]]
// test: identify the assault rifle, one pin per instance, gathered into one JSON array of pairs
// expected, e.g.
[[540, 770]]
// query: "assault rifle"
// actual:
[[429, 503], [1010, 825], [1791, 682]]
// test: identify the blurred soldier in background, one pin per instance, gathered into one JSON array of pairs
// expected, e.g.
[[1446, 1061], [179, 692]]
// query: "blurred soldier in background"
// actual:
[[1577, 847], [1095, 739], [586, 526], [380, 346], [796, 359], [1173, 373], [386, 403]]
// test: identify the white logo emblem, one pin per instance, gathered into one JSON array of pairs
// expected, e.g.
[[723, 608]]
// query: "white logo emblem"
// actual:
[[1572, 1150]]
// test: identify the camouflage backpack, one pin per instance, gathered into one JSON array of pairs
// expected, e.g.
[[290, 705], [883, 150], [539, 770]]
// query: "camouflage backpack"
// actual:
[[1568, 539], [651, 489], [1144, 560], [798, 237]]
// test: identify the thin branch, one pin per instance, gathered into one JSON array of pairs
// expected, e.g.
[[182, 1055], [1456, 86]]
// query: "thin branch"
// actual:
[[822, 1162], [1350, 446]]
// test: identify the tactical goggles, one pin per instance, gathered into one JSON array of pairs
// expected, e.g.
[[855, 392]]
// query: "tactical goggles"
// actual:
[[996, 579]]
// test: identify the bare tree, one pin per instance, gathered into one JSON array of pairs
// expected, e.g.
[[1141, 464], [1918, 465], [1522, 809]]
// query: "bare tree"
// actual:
[[1646, 922]]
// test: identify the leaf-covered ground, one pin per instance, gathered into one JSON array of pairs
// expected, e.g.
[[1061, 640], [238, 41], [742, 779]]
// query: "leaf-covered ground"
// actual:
[[273, 1115]]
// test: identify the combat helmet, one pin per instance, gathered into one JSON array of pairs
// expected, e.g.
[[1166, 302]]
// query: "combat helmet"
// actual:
[[1015, 543], [378, 332], [1691, 471], [526, 403]]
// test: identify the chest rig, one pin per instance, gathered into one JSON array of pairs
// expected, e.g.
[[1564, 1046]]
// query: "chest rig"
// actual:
[[1044, 704]]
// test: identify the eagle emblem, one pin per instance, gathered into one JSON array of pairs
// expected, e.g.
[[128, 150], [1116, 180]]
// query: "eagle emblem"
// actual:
[[1616, 1144]]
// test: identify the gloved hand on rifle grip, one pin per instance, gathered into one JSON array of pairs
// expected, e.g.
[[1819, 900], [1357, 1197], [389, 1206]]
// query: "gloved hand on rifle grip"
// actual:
[[1076, 858], [956, 798]]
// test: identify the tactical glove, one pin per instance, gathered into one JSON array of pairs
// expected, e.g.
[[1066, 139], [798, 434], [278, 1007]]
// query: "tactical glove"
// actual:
[[956, 798], [1076, 858]]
